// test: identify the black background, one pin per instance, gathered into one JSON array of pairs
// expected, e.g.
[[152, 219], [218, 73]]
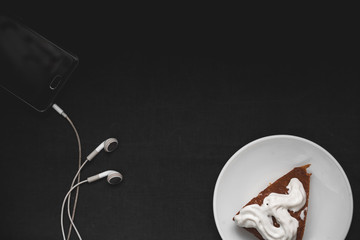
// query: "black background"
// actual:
[[182, 92]]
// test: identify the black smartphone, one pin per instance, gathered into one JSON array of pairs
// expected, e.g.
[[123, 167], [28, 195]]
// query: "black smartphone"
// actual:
[[31, 67]]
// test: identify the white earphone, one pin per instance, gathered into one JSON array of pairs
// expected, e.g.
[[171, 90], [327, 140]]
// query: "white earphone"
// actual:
[[108, 145], [113, 177]]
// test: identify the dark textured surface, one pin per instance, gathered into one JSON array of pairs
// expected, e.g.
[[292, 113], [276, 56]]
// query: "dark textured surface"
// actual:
[[181, 98]]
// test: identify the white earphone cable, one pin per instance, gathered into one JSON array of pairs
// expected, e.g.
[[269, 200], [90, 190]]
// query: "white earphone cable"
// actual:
[[62, 211], [62, 113], [71, 218]]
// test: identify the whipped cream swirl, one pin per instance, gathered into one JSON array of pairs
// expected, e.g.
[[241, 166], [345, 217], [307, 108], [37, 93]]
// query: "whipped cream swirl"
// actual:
[[277, 206]]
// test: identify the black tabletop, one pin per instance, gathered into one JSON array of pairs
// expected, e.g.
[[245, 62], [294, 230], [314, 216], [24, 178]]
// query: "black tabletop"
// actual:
[[181, 97]]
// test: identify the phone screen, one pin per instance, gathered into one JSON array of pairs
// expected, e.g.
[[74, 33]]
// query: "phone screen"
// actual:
[[31, 67]]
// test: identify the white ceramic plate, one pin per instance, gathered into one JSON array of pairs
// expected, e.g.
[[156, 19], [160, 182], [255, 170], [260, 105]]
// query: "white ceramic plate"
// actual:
[[260, 162]]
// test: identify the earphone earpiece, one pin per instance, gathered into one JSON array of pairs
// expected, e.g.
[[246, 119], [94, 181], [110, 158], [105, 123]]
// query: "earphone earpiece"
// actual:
[[113, 177], [108, 145]]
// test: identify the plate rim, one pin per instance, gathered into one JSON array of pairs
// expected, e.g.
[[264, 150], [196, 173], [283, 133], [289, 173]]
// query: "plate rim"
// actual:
[[286, 136]]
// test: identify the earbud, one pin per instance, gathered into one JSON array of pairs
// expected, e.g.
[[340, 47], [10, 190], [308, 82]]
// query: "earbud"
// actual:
[[108, 145], [113, 177]]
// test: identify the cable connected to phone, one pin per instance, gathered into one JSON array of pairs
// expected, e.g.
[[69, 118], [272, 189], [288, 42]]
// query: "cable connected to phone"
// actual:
[[71, 218], [62, 211], [62, 113], [113, 177]]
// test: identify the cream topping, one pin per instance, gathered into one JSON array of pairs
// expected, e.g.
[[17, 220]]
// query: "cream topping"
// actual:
[[277, 206], [302, 214]]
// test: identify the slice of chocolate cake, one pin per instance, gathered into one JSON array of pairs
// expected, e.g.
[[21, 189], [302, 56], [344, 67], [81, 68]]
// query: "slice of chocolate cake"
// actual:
[[279, 211]]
